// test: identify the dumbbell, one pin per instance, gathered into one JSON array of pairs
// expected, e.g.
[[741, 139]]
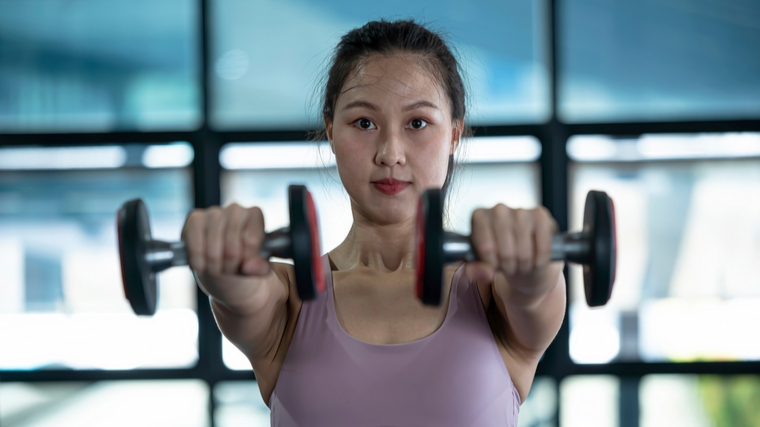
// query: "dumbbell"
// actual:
[[595, 247], [142, 257]]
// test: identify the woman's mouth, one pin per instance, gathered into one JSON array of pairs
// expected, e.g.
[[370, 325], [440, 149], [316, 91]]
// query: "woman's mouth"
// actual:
[[390, 186]]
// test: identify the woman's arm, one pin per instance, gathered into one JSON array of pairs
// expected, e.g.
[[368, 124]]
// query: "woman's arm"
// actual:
[[248, 295], [517, 276], [533, 318], [524, 325], [250, 311], [257, 316]]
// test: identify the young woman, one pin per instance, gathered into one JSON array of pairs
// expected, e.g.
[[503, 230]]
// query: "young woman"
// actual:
[[366, 352]]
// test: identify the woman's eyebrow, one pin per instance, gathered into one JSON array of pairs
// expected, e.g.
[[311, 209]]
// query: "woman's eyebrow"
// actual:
[[373, 107], [421, 104], [357, 104]]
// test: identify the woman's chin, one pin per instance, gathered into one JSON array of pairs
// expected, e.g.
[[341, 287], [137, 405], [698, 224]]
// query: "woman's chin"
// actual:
[[386, 210], [396, 216]]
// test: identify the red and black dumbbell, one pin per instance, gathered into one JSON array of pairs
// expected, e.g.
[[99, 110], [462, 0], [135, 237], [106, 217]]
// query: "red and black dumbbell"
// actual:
[[142, 257], [595, 247]]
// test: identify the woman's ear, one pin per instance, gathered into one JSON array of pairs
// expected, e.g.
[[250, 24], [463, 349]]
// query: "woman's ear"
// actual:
[[329, 133], [456, 135]]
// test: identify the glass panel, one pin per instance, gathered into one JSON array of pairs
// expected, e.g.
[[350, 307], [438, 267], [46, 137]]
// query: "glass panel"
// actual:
[[182, 403], [699, 400], [540, 407], [269, 56], [63, 303], [589, 401], [639, 60], [234, 358], [687, 278], [239, 403], [99, 65], [492, 170]]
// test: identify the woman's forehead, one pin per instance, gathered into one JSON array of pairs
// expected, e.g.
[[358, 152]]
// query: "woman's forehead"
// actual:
[[403, 76]]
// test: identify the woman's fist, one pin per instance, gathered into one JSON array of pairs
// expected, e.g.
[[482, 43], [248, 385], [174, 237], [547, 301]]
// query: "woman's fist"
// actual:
[[516, 242], [225, 241]]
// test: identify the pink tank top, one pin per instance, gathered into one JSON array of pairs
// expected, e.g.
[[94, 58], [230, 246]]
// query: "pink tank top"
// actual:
[[453, 377]]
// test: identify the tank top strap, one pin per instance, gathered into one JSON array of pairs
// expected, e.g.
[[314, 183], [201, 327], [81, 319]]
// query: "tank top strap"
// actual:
[[329, 306]]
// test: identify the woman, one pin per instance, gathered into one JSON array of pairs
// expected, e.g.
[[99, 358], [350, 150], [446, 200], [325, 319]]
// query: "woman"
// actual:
[[366, 351]]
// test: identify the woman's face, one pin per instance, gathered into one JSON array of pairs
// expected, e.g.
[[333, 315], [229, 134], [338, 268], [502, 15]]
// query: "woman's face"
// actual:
[[392, 135]]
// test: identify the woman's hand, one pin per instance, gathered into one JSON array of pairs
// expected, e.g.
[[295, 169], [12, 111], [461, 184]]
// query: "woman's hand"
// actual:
[[517, 243], [225, 241], [223, 247]]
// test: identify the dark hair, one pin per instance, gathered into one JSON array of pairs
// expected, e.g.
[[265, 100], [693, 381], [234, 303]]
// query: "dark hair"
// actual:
[[389, 37]]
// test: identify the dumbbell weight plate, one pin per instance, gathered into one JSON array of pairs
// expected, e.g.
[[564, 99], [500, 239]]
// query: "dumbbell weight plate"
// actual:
[[599, 273], [429, 248], [133, 230], [306, 248]]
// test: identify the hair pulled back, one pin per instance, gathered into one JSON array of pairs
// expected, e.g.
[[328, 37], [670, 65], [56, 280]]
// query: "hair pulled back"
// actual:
[[390, 37], [393, 37]]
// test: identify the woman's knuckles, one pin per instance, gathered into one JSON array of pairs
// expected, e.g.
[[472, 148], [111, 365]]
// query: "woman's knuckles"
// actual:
[[486, 250], [232, 250], [253, 239], [502, 212]]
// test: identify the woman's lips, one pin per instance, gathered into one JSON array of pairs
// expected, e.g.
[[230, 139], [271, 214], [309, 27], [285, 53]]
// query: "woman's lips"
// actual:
[[390, 186]]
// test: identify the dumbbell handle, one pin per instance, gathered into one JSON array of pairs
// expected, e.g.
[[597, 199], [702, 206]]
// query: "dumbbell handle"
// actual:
[[572, 247], [161, 255]]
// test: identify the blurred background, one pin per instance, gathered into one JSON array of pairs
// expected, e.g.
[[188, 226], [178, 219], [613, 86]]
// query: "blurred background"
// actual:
[[189, 103]]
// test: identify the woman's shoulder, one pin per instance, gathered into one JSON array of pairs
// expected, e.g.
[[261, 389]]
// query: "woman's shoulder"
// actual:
[[463, 283]]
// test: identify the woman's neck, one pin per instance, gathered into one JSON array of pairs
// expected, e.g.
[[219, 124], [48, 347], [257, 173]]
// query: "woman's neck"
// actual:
[[380, 247]]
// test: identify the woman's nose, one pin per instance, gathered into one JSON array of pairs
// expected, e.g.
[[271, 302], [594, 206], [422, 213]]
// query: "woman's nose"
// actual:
[[390, 151]]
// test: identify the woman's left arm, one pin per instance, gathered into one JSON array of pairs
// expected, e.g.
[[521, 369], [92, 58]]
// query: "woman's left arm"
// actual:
[[514, 248], [532, 319]]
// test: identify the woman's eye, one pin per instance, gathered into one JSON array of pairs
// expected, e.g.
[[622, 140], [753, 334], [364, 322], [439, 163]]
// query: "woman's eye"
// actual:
[[417, 124], [365, 124]]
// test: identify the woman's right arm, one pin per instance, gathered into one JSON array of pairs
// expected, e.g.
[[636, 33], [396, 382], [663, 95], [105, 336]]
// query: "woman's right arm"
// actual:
[[248, 296]]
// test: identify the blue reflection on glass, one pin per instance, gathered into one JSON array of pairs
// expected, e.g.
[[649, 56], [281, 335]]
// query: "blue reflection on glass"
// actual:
[[98, 65], [631, 60], [269, 57]]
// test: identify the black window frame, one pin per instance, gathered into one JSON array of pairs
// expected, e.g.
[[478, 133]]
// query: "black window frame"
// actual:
[[554, 163]]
